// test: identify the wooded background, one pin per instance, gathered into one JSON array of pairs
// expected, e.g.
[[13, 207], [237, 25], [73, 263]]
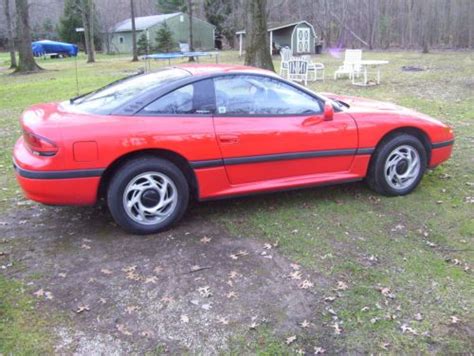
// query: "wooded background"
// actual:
[[382, 24]]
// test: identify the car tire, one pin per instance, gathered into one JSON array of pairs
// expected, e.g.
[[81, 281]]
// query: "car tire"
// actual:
[[397, 165], [147, 195]]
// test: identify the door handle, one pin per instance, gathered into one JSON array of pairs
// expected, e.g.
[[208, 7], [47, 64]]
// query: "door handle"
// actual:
[[228, 138], [312, 120]]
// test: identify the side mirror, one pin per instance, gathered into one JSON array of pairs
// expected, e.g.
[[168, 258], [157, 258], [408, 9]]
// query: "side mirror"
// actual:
[[328, 112]]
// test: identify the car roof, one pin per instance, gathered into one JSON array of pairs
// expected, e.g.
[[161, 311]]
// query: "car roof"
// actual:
[[209, 69]]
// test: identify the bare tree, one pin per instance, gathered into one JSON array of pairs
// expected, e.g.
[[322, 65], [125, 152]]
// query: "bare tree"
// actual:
[[257, 49], [86, 8], [134, 32], [27, 62], [10, 35]]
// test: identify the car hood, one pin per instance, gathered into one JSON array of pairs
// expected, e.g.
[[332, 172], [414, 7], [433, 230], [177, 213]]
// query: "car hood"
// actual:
[[358, 105]]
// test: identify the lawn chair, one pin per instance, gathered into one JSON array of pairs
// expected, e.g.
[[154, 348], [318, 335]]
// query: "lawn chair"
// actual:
[[285, 54], [351, 66], [315, 70], [298, 70]]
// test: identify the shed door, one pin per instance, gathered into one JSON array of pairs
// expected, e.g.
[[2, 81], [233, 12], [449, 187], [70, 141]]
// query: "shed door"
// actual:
[[303, 40]]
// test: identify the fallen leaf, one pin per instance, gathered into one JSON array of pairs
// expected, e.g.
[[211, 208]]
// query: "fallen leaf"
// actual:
[[385, 345], [337, 328], [184, 319], [205, 240], [295, 275], [319, 350], [205, 291], [231, 295], [364, 309], [82, 308], [39, 293], [386, 292], [223, 320], [329, 299], [290, 339], [103, 300], [147, 334], [267, 246], [418, 317], [123, 329], [304, 324], [306, 284], [48, 295], [151, 279], [134, 276], [253, 325], [295, 266], [233, 274], [454, 319], [405, 328], [106, 271], [129, 268], [157, 270], [341, 285], [62, 275], [85, 247], [131, 309], [167, 300]]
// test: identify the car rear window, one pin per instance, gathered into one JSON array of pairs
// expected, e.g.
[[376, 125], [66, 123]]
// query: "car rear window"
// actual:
[[112, 96]]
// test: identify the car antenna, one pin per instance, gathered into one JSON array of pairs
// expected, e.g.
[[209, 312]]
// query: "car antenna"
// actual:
[[77, 77]]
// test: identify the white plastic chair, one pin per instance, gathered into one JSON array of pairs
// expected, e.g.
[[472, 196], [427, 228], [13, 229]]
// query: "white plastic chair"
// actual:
[[285, 54], [315, 70], [298, 70], [351, 66]]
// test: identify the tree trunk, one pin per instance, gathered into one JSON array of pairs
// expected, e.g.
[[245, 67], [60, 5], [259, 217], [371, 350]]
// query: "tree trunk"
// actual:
[[134, 34], [257, 49], [190, 13], [27, 61], [87, 13], [11, 37], [425, 26]]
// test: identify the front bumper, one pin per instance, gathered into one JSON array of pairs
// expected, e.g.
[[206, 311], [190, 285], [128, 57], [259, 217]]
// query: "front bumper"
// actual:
[[441, 152]]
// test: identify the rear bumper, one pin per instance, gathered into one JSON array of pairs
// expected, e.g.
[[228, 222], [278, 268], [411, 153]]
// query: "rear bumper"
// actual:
[[47, 188], [440, 152]]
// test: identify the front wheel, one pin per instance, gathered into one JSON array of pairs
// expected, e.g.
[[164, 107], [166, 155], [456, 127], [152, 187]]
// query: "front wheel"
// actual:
[[397, 166], [147, 195]]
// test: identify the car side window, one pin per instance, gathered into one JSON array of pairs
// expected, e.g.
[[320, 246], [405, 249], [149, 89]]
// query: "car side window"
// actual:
[[257, 95], [179, 101]]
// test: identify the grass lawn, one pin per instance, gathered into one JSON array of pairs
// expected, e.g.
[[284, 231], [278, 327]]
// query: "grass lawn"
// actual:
[[407, 262]]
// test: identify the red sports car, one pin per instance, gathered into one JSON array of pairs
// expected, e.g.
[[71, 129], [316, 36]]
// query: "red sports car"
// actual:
[[150, 143]]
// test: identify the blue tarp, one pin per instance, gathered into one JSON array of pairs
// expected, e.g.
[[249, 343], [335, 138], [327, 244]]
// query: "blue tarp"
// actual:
[[41, 48]]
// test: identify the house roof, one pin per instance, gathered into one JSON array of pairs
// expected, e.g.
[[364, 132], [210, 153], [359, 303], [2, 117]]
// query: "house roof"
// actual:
[[275, 27], [142, 23]]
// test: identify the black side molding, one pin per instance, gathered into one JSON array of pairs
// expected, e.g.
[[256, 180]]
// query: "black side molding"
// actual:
[[442, 144], [78, 173], [280, 157]]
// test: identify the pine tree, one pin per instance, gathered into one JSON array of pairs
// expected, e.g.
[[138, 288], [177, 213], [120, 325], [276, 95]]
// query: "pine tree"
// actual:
[[164, 39], [143, 45], [69, 22]]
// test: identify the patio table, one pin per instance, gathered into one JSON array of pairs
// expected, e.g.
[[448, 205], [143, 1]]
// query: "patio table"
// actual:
[[365, 65]]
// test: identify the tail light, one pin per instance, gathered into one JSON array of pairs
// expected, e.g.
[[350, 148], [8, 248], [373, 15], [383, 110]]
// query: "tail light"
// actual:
[[40, 146]]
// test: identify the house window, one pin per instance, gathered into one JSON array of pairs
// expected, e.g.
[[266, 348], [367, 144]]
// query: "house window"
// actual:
[[120, 40]]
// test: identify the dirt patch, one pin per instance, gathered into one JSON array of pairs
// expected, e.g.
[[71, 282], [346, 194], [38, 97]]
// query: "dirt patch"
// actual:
[[188, 289]]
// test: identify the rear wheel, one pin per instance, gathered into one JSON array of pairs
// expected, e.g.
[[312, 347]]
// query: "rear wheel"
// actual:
[[398, 165], [147, 195]]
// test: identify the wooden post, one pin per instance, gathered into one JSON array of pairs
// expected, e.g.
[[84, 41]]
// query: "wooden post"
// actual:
[[240, 44], [271, 43]]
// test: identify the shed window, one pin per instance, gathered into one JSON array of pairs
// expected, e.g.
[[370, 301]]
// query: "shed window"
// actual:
[[120, 39]]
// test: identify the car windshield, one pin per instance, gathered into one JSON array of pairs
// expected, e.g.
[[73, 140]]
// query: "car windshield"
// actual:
[[112, 96]]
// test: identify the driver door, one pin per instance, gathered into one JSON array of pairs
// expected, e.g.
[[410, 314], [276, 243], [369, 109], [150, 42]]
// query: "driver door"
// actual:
[[267, 129]]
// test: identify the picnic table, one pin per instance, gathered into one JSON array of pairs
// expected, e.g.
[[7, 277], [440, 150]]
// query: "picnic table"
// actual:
[[364, 68], [174, 55]]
